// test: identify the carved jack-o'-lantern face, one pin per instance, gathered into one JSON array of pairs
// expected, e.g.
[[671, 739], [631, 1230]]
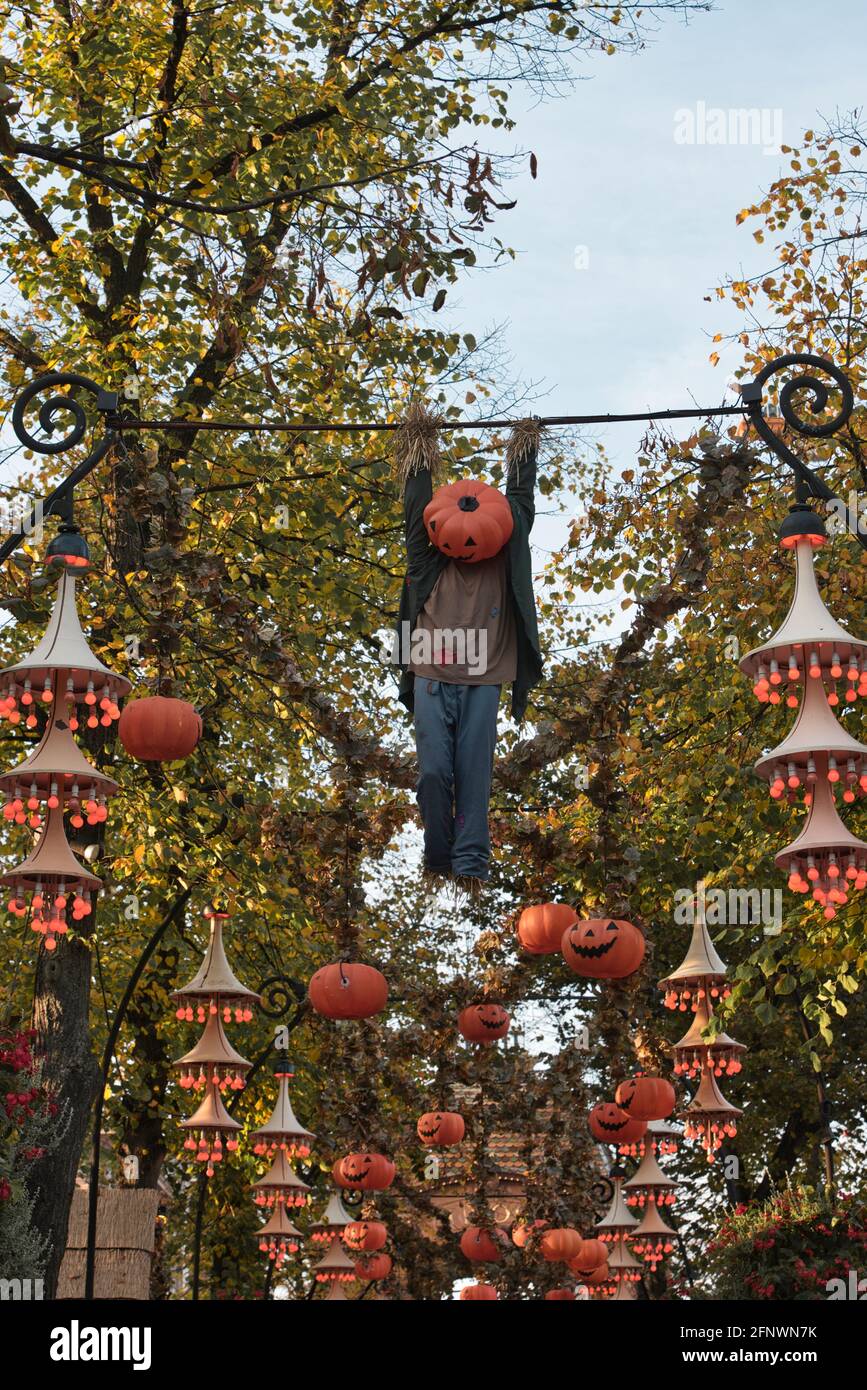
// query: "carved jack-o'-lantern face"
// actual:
[[603, 948], [468, 521], [367, 1172], [611, 1125], [646, 1097], [364, 1236], [484, 1023], [441, 1128]]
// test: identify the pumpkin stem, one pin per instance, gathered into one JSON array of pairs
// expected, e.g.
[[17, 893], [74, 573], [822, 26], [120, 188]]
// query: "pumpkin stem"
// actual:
[[416, 445]]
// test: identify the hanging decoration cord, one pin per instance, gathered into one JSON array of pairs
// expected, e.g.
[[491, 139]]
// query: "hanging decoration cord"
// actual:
[[117, 422]]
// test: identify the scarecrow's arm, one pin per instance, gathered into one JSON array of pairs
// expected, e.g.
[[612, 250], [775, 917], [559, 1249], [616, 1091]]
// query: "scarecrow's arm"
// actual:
[[416, 495]]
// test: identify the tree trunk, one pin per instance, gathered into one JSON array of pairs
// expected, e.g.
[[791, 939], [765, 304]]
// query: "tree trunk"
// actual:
[[60, 1016]]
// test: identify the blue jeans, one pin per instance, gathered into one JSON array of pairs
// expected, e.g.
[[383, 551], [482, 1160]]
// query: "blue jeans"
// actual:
[[455, 736]]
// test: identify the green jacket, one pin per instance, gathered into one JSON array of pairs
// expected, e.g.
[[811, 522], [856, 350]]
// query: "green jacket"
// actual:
[[425, 564]]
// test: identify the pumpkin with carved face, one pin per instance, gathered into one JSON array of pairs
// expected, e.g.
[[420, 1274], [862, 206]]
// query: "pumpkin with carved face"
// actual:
[[364, 1236], [600, 1275], [541, 927], [468, 521], [646, 1097], [603, 948], [481, 1247], [611, 1125], [440, 1128], [479, 1293], [484, 1023], [364, 1172], [376, 1267]]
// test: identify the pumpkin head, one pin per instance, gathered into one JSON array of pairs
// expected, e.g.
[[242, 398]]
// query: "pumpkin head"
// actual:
[[159, 730], [348, 990], [541, 928], [441, 1128], [603, 948], [484, 1023], [479, 1246], [559, 1295], [364, 1172], [591, 1255], [611, 1125], [364, 1235], [561, 1243], [376, 1267], [468, 521], [600, 1275], [479, 1293], [646, 1097]]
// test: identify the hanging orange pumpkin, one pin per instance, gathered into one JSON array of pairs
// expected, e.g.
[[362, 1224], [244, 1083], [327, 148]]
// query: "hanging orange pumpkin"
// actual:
[[479, 1246], [541, 928], [441, 1128], [468, 521], [559, 1296], [479, 1293], [377, 1267], [591, 1255], [599, 1275], [364, 1172], [158, 729], [611, 1125], [522, 1234], [562, 1243], [348, 989], [364, 1236], [483, 1023], [603, 948], [646, 1097]]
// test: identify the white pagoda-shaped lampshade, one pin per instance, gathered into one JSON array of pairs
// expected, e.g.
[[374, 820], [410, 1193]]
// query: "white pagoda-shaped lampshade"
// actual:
[[62, 666], [212, 1060], [214, 985]]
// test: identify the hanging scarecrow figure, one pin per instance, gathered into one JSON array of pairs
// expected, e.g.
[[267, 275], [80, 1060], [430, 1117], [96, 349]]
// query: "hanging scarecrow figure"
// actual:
[[466, 627]]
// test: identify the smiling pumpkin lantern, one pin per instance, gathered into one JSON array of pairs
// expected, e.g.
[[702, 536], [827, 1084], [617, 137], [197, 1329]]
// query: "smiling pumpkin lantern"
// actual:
[[484, 1023], [364, 1237], [611, 1125], [646, 1097], [364, 1172], [440, 1128], [603, 948]]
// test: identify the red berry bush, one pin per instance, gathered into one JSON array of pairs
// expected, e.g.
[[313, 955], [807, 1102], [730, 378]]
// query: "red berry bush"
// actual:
[[794, 1246], [28, 1123]]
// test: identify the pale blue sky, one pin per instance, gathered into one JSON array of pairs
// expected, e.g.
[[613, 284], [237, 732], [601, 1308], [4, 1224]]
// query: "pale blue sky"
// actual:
[[658, 217]]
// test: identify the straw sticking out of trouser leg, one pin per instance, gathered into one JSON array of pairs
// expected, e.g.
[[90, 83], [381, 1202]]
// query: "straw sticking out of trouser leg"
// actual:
[[465, 883], [524, 440], [416, 445]]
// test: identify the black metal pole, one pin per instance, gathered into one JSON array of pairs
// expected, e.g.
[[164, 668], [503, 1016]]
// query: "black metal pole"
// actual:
[[106, 404]]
